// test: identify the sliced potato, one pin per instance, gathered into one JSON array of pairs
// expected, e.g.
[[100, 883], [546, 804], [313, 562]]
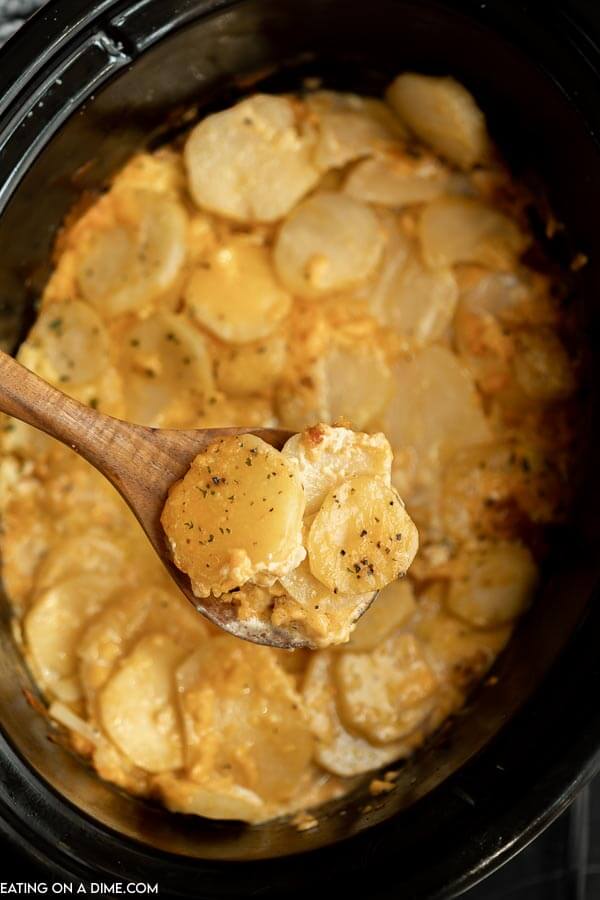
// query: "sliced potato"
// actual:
[[358, 382], [219, 800], [252, 368], [391, 610], [326, 456], [497, 586], [458, 653], [386, 694], [397, 179], [251, 162], [167, 368], [68, 345], [337, 750], [324, 617], [434, 411], [243, 719], [76, 356], [26, 537], [129, 615], [482, 339], [138, 705], [97, 551], [329, 243], [350, 126], [417, 301], [234, 292], [398, 249], [236, 516], [54, 625], [334, 373], [425, 301], [112, 765], [463, 230], [362, 538], [443, 114], [131, 263]]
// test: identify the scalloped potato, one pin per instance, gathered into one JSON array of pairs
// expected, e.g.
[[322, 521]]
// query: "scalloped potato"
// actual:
[[236, 516], [353, 269], [132, 262], [239, 520]]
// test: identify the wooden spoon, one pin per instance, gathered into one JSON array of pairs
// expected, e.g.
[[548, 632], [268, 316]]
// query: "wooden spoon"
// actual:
[[142, 463]]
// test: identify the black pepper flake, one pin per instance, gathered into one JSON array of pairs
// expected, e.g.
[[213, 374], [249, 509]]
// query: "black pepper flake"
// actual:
[[189, 524], [363, 532], [216, 479], [342, 552], [211, 538], [356, 567], [399, 536]]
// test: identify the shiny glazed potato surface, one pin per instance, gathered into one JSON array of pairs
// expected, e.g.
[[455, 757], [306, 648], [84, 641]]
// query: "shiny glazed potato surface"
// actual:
[[295, 260]]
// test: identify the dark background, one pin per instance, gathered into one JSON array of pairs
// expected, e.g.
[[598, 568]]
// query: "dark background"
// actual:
[[562, 864]]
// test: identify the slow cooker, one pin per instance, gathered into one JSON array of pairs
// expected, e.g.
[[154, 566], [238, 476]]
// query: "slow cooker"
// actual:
[[85, 84]]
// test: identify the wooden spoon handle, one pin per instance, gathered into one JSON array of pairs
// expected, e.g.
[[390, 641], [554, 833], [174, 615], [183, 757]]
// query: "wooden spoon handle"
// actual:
[[129, 455], [34, 401]]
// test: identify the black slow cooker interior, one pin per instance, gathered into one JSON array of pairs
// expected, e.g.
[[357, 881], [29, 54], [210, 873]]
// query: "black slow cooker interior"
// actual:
[[130, 75]]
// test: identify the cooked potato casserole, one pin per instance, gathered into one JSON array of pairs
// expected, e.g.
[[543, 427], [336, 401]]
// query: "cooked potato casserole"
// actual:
[[294, 260], [300, 539]]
